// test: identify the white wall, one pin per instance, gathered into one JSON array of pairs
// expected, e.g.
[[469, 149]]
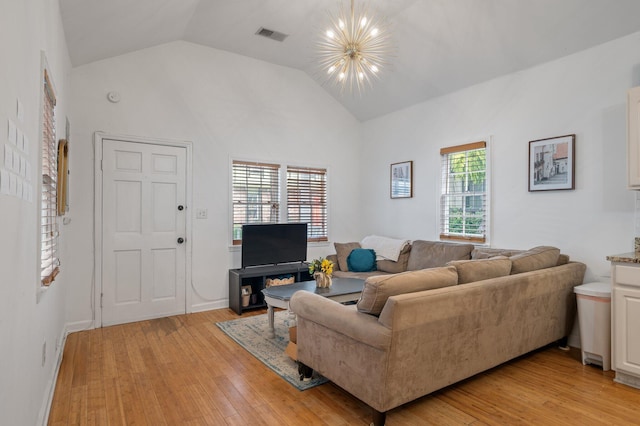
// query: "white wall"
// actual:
[[584, 93], [27, 319], [228, 106]]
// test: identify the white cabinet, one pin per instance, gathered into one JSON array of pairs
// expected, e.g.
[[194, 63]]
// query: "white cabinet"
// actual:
[[625, 312], [633, 138]]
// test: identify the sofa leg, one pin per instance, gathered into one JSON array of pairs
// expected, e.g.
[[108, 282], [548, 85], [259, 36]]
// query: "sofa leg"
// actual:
[[304, 371], [563, 344], [379, 417]]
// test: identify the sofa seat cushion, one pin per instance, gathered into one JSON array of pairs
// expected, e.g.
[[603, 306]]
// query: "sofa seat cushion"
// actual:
[[430, 254], [400, 265], [481, 269], [378, 289], [343, 250], [540, 257], [360, 275]]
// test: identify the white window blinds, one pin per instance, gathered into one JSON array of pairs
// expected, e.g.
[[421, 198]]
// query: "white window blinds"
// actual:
[[463, 200], [255, 195], [49, 264], [307, 200]]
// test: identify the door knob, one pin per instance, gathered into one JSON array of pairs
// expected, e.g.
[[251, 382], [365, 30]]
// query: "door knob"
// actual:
[[181, 207], [180, 240]]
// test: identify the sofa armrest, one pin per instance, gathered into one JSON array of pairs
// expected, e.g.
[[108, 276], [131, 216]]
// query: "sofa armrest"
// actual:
[[342, 319]]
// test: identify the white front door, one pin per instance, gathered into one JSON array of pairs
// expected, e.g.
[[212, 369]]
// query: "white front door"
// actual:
[[143, 231]]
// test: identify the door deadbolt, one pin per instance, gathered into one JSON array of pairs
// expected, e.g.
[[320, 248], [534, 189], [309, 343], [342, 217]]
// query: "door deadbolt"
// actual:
[[181, 207], [180, 240]]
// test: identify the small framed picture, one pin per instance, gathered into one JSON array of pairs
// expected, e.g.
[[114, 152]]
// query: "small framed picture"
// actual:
[[402, 180], [552, 163]]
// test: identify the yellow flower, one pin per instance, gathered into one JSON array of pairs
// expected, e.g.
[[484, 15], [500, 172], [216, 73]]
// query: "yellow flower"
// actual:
[[326, 266], [321, 265]]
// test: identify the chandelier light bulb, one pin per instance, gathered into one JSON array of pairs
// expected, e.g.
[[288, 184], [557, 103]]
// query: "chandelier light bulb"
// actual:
[[354, 48]]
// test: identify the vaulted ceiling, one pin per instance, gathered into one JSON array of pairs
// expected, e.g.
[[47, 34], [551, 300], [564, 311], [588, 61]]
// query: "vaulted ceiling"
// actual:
[[441, 45]]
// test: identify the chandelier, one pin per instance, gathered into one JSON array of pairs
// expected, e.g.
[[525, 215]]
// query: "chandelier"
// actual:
[[352, 51]]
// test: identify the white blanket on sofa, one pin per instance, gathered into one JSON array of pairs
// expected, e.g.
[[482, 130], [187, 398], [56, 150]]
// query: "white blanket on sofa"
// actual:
[[385, 248]]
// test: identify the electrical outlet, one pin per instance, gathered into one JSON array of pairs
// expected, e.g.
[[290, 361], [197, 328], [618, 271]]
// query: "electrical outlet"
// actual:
[[44, 352], [201, 213]]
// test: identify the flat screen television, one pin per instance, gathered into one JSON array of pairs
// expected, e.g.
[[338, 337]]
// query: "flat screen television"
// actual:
[[273, 243]]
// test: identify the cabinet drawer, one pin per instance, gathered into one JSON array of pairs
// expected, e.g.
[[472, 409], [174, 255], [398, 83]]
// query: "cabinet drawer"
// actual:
[[628, 275]]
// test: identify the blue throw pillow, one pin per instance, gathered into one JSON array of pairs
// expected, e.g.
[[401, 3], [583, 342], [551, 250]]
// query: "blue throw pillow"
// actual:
[[362, 260]]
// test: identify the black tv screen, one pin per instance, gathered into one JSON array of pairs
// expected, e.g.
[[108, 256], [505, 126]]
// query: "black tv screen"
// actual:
[[270, 244]]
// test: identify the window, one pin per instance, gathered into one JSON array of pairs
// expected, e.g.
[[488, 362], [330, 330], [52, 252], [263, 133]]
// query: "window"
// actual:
[[257, 198], [463, 200], [49, 263], [256, 195], [307, 200]]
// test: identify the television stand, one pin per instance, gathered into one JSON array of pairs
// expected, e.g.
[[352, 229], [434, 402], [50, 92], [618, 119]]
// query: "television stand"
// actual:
[[254, 279]]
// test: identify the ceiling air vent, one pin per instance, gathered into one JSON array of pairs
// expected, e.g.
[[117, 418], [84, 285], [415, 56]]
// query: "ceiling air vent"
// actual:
[[273, 35]]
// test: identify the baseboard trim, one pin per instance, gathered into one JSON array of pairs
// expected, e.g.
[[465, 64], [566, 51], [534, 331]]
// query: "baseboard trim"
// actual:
[[73, 327], [210, 306], [43, 417]]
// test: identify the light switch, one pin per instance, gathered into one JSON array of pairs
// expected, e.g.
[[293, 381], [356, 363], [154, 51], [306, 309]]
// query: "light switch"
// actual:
[[201, 213]]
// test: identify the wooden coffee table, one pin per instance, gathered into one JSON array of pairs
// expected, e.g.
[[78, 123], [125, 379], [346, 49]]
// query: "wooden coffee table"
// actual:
[[342, 290]]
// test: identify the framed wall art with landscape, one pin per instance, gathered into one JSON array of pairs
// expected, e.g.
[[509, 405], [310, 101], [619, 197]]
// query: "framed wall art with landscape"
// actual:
[[552, 163], [402, 180]]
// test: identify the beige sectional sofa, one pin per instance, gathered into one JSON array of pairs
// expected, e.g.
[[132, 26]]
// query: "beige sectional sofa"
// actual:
[[418, 331], [420, 254]]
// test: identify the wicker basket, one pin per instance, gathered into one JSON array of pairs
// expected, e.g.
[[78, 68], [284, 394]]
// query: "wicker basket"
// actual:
[[279, 281]]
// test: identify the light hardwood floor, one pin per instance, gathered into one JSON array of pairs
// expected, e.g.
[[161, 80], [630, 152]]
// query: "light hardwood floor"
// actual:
[[183, 370]]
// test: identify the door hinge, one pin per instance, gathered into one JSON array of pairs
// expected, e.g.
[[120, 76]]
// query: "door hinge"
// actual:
[[101, 296], [100, 165]]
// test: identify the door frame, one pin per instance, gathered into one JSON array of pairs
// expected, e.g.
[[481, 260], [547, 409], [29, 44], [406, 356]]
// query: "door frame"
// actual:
[[99, 138]]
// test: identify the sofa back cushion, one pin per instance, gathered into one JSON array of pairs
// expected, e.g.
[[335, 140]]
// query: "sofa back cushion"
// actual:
[[487, 252], [392, 267], [540, 257], [481, 269], [429, 254], [343, 250], [378, 289]]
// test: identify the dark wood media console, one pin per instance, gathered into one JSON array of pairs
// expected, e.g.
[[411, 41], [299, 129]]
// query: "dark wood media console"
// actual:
[[256, 277]]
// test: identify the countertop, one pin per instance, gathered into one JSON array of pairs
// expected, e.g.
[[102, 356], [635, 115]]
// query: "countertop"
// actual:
[[632, 257]]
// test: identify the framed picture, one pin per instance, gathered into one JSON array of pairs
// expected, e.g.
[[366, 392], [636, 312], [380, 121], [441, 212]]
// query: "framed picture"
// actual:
[[552, 163], [402, 180]]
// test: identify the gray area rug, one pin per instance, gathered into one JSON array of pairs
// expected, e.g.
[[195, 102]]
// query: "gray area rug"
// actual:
[[251, 334]]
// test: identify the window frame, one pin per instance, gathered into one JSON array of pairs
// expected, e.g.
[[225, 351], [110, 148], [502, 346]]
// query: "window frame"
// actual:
[[283, 208], [444, 233]]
